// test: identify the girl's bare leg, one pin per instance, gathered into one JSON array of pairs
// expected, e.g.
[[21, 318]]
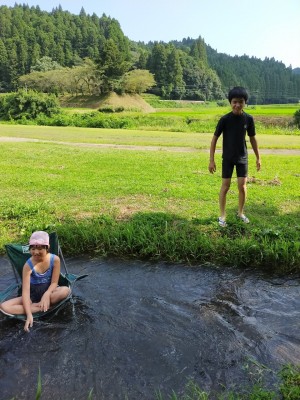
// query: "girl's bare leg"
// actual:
[[13, 306], [59, 294]]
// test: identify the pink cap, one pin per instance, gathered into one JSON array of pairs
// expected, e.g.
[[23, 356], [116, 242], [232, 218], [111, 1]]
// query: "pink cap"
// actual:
[[39, 238]]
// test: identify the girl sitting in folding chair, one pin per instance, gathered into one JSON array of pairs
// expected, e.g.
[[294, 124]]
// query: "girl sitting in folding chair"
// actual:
[[40, 277]]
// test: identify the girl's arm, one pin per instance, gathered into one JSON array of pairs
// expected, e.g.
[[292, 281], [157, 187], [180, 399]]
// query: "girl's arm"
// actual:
[[45, 300], [26, 297]]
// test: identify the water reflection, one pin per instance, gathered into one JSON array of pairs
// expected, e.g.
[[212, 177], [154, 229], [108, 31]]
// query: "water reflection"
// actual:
[[134, 328]]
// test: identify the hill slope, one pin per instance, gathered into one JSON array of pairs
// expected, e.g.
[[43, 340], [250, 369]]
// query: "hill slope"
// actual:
[[130, 102]]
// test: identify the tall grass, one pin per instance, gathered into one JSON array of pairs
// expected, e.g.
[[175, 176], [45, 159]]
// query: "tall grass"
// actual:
[[166, 121]]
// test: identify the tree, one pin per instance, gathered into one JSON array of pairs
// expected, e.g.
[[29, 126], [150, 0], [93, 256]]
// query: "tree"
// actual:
[[113, 61], [112, 66], [12, 63], [157, 65], [3, 65], [142, 60], [28, 34], [175, 74], [84, 79], [137, 81], [198, 51], [22, 52], [45, 64]]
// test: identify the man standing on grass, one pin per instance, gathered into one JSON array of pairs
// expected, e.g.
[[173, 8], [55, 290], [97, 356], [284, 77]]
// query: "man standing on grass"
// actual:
[[234, 126]]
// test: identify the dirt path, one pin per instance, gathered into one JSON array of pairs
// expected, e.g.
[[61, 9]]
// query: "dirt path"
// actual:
[[139, 148]]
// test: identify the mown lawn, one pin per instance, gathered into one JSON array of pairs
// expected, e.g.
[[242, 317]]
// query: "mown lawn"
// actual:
[[157, 204], [136, 137]]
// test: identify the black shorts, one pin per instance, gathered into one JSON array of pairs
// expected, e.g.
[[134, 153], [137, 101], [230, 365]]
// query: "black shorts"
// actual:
[[228, 166]]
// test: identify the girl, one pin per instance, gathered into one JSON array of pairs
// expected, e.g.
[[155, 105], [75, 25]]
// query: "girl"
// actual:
[[40, 288]]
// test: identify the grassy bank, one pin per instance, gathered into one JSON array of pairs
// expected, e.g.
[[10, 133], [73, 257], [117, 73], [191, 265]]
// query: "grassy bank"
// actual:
[[184, 121], [148, 204]]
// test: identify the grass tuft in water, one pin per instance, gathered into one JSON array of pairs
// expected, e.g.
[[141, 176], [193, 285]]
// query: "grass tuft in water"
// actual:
[[287, 389], [39, 386]]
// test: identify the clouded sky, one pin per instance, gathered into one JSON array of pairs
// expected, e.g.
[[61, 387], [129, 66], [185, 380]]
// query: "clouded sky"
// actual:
[[259, 28]]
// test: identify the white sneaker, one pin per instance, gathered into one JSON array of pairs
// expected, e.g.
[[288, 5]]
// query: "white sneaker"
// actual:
[[243, 218], [222, 222]]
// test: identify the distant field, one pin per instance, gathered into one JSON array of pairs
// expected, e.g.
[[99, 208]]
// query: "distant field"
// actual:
[[212, 107], [274, 110]]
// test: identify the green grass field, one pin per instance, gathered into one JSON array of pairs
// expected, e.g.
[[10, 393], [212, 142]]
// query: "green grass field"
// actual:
[[193, 140], [141, 203], [92, 180]]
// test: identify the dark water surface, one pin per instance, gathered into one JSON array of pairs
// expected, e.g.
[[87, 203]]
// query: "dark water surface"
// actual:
[[135, 328]]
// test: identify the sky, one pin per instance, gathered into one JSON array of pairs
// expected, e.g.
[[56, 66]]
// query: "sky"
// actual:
[[258, 28]]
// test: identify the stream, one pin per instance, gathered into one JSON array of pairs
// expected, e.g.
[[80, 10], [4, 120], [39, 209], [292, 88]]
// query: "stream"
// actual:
[[135, 329]]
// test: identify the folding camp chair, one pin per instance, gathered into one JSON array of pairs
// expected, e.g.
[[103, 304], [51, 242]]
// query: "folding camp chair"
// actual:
[[18, 254]]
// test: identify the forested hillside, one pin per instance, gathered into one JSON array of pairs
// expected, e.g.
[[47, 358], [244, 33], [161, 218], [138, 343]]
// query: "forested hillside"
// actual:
[[62, 52], [268, 81]]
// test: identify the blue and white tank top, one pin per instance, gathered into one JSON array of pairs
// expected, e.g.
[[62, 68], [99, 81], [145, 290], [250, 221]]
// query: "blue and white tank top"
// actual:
[[38, 279]]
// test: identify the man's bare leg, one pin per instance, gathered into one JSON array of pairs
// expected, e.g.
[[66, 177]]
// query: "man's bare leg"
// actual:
[[222, 196], [242, 187]]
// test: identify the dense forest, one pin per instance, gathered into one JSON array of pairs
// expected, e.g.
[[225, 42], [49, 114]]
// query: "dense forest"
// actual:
[[62, 52]]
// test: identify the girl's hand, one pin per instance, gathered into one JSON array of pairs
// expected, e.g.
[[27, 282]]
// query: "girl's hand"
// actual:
[[45, 302], [28, 323]]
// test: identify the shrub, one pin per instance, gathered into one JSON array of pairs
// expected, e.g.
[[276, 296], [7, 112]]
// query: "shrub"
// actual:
[[111, 109], [297, 118], [222, 103], [28, 104]]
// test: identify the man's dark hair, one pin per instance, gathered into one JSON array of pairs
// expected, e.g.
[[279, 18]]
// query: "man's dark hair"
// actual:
[[238, 92]]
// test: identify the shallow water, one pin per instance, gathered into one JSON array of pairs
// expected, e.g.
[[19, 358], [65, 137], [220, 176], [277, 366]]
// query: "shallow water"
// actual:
[[136, 328]]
